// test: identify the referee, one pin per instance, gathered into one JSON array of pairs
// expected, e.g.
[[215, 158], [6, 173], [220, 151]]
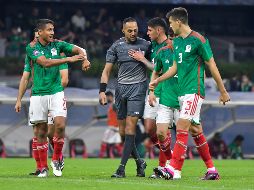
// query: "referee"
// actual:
[[130, 90]]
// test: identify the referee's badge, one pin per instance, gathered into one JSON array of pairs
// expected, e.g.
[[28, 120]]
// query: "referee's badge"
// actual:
[[53, 51], [188, 48]]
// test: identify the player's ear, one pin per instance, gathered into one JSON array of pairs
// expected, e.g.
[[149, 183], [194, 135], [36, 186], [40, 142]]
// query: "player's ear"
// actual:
[[39, 32]]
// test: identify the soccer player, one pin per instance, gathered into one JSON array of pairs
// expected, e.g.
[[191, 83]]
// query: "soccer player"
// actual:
[[130, 90], [63, 69], [191, 51], [160, 53], [47, 92], [168, 110]]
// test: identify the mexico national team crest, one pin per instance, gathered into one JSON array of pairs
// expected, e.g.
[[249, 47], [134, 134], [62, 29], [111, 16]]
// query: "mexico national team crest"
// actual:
[[188, 48], [53, 51]]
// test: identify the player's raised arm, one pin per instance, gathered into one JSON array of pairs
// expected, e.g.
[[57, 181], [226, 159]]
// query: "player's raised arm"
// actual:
[[170, 73], [81, 51], [139, 56], [46, 36]]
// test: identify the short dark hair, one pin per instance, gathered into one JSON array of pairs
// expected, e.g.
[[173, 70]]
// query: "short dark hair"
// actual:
[[239, 138], [35, 29], [40, 24], [157, 21], [129, 19], [179, 13]]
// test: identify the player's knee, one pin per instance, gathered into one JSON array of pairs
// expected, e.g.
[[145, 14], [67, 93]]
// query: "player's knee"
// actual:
[[161, 134], [60, 130], [183, 124], [42, 134], [195, 130]]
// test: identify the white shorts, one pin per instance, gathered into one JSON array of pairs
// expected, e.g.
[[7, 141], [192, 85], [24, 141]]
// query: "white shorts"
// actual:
[[50, 120], [190, 106], [112, 136], [151, 112], [41, 106], [167, 115]]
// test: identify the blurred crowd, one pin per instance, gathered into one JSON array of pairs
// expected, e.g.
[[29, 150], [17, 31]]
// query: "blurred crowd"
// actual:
[[95, 29], [220, 150], [238, 83], [95, 32]]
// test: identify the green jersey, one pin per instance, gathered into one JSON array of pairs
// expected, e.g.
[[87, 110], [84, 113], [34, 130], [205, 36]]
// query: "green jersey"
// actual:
[[190, 54], [169, 90], [46, 81], [154, 50]]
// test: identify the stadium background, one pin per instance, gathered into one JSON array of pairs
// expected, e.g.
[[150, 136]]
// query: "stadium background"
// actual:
[[228, 25]]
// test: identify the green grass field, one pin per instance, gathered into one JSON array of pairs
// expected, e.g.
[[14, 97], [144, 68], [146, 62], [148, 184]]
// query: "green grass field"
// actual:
[[95, 174]]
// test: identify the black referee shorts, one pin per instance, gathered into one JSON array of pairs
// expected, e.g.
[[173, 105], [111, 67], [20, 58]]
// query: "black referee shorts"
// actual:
[[130, 99]]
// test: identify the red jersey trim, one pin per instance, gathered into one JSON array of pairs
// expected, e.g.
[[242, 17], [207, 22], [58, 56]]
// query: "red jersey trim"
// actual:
[[199, 36], [32, 43], [168, 46]]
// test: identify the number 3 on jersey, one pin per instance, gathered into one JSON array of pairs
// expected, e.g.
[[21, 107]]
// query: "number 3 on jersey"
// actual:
[[180, 57]]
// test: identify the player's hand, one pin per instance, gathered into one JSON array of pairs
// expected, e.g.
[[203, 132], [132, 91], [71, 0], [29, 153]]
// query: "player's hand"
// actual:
[[224, 97], [137, 55], [152, 99], [153, 84], [76, 58], [102, 98], [18, 106], [86, 65]]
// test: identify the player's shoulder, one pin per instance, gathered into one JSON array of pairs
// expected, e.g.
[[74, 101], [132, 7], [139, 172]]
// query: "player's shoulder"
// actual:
[[32, 44], [118, 42], [169, 43], [144, 41], [57, 41], [168, 46], [198, 36]]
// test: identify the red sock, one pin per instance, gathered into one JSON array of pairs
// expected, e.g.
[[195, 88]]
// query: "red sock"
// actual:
[[162, 159], [203, 149], [102, 150], [43, 154], [179, 149], [58, 147], [165, 147], [36, 153]]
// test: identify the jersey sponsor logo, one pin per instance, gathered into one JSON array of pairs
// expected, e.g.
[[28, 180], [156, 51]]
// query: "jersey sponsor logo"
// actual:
[[53, 51], [42, 52], [36, 52], [167, 61], [176, 47], [188, 48]]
